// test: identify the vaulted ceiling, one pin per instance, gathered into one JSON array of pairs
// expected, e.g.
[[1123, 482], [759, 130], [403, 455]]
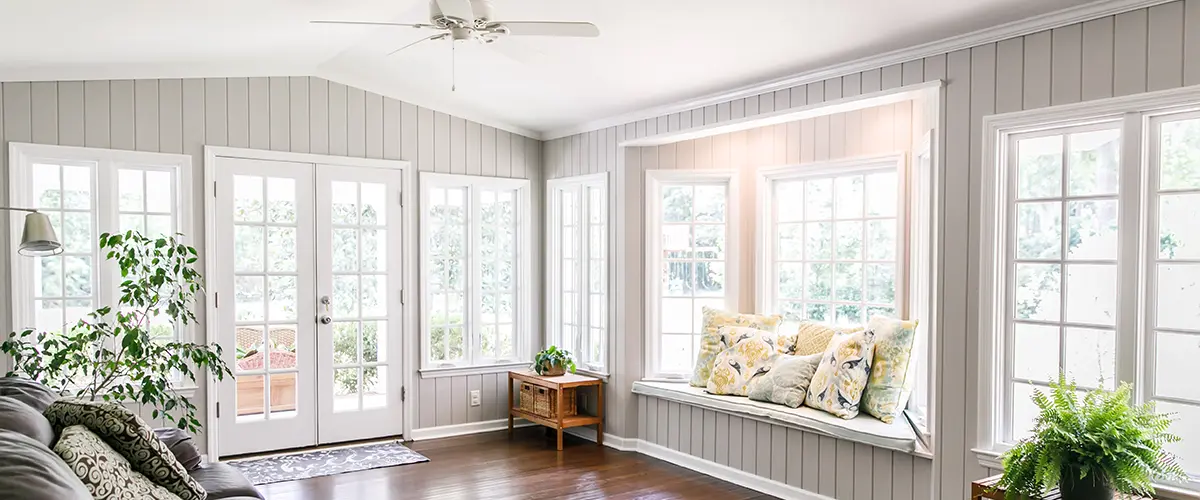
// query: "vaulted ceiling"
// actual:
[[650, 52]]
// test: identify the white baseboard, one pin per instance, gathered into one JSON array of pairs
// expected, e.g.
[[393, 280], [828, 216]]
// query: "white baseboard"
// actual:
[[615, 442], [464, 429], [735, 476]]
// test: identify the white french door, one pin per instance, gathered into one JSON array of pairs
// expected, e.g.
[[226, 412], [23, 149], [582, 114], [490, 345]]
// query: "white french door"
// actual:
[[307, 288]]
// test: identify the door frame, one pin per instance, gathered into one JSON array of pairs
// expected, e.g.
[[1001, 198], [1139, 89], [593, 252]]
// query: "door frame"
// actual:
[[410, 283]]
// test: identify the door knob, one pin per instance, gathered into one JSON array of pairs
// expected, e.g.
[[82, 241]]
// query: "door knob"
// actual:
[[325, 300], [325, 320]]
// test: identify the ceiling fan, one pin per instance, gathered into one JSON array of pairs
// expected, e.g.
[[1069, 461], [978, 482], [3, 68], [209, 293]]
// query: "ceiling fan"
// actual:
[[472, 20]]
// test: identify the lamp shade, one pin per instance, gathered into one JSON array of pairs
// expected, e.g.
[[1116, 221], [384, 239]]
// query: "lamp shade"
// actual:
[[38, 238]]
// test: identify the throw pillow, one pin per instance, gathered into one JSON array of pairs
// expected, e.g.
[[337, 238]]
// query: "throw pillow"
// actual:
[[105, 472], [30, 470], [838, 385], [710, 337], [786, 381], [181, 445], [20, 417], [34, 394], [892, 376], [811, 338], [132, 438], [736, 366]]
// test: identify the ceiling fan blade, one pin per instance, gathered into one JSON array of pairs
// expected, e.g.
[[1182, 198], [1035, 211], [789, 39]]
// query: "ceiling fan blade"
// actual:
[[551, 28], [438, 36], [370, 23], [460, 9]]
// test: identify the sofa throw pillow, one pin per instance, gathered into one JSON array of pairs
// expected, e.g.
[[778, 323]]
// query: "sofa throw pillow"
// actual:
[[181, 445], [20, 417], [132, 438], [30, 470], [786, 381], [32, 393], [892, 374], [105, 473], [838, 385], [710, 337], [742, 362]]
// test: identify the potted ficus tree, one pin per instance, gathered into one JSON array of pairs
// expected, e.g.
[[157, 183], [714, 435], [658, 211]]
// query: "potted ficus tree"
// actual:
[[553, 362], [124, 352], [1091, 447]]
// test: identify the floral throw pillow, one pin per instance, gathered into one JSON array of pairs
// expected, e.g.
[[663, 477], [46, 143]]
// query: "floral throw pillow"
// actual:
[[132, 438], [892, 374], [786, 381], [105, 473], [710, 337], [838, 385], [738, 365]]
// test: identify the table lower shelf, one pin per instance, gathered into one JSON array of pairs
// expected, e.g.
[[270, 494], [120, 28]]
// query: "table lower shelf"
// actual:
[[568, 422]]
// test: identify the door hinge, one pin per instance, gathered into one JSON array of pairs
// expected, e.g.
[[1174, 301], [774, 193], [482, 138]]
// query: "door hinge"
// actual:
[[218, 410], [401, 199], [216, 300], [401, 296], [214, 189], [403, 393]]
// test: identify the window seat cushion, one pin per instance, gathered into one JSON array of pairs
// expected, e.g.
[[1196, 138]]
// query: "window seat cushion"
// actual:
[[865, 429]]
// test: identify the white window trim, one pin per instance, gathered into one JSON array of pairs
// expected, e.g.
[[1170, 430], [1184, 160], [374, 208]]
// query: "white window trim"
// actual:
[[522, 309], [1134, 112], [765, 263], [106, 160], [554, 188], [655, 179], [923, 188]]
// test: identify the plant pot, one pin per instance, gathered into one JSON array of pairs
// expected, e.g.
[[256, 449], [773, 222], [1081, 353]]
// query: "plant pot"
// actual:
[[549, 370], [1093, 487]]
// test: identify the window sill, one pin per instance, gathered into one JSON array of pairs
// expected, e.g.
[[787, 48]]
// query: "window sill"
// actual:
[[898, 436], [600, 375], [991, 459], [457, 371]]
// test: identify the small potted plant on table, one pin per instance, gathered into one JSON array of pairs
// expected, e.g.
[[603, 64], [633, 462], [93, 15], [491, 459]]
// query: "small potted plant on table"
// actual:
[[552, 362], [1091, 447]]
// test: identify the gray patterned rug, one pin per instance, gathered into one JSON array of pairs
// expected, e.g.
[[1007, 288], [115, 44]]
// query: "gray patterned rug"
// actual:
[[326, 462]]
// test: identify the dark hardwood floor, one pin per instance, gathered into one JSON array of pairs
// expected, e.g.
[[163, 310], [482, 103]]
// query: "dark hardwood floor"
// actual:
[[489, 466]]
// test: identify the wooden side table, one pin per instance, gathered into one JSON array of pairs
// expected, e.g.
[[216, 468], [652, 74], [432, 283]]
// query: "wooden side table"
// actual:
[[557, 384], [985, 489]]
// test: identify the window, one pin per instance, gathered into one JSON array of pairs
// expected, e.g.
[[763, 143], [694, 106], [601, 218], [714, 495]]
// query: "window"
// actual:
[[832, 249], [475, 253], [87, 192], [577, 268], [691, 218], [922, 235], [1084, 210]]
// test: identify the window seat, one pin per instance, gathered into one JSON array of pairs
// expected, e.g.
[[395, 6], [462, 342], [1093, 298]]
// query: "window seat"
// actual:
[[865, 429]]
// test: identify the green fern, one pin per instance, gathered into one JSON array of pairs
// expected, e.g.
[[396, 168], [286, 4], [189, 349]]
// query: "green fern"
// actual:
[[1101, 435]]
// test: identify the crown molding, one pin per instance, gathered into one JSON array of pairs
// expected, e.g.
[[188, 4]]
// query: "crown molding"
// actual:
[[1071, 15], [83, 72]]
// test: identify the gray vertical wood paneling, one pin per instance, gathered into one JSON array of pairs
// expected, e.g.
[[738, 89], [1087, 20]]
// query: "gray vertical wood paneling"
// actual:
[[458, 400], [863, 468], [356, 122], [1191, 42], [1129, 53], [170, 116], [145, 115], [1164, 63], [1067, 70], [121, 114], [393, 136], [298, 113], [373, 129], [1010, 65], [96, 113], [260, 112], [280, 102], [1037, 70], [827, 483], [70, 114], [318, 115], [237, 92], [1097, 61], [338, 119], [216, 112]]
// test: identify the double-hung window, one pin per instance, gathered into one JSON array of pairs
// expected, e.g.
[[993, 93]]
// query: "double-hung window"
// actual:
[[1092, 264], [577, 268], [475, 270], [692, 243], [86, 192]]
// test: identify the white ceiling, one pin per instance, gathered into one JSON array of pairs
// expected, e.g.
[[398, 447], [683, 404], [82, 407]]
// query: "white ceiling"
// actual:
[[650, 52]]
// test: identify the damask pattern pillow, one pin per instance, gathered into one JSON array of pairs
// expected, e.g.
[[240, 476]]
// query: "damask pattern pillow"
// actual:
[[710, 337], [132, 438], [838, 385], [892, 374], [735, 367], [105, 473], [786, 381]]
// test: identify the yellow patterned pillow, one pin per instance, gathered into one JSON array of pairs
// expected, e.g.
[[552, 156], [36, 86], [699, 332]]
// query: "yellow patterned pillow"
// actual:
[[838, 385], [710, 337], [810, 338], [892, 373], [735, 367]]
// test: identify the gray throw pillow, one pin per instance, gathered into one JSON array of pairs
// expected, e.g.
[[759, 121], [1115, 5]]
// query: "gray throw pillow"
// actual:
[[107, 474], [34, 394], [787, 380], [20, 417], [132, 438], [29, 470], [181, 445]]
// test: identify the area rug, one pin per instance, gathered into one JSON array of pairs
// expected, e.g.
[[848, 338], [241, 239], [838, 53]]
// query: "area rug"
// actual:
[[326, 462]]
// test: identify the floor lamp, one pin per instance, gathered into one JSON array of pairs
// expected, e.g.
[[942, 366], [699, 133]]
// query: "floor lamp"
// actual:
[[38, 238]]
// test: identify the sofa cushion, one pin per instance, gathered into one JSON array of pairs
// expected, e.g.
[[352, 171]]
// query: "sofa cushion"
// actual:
[[786, 381], [20, 417], [223, 481], [181, 445], [132, 438], [107, 474], [893, 372], [711, 343], [29, 470], [838, 385], [745, 359], [34, 394]]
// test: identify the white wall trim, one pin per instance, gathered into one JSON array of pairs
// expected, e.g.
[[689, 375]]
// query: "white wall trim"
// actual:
[[725, 473], [1071, 15], [612, 441], [445, 431]]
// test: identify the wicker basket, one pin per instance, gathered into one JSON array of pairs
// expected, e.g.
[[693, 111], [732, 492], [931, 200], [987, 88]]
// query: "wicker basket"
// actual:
[[542, 402]]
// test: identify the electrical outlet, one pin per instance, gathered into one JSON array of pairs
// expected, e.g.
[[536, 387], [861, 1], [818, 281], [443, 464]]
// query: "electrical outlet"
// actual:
[[475, 397]]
